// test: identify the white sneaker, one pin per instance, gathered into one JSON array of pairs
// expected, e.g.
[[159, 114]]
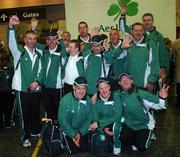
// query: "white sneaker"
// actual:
[[26, 143], [134, 148], [153, 137], [116, 151], [36, 135]]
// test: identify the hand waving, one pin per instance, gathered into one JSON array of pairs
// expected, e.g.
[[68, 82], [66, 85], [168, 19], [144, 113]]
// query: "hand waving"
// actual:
[[94, 31], [164, 91], [123, 9], [127, 42]]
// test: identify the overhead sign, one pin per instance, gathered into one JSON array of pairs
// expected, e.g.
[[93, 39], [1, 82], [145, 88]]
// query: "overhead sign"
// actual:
[[23, 14]]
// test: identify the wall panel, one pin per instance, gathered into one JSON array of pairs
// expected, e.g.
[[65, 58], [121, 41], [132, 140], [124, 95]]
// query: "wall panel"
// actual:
[[25, 3], [9, 4]]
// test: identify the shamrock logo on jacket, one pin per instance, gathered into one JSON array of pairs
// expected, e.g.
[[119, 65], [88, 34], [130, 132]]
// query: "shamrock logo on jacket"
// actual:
[[115, 9]]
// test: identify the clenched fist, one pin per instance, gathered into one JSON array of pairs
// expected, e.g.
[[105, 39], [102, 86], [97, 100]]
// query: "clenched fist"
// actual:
[[13, 21]]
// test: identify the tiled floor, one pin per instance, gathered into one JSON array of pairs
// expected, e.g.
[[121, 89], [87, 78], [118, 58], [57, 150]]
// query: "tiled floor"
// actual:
[[166, 145]]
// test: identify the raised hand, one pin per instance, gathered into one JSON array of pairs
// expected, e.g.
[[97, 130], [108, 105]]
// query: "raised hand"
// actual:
[[123, 9], [163, 93], [94, 31], [59, 33], [127, 42], [34, 23], [13, 21]]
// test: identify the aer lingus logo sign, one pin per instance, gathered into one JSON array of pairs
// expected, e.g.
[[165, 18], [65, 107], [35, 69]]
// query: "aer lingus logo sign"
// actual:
[[115, 9]]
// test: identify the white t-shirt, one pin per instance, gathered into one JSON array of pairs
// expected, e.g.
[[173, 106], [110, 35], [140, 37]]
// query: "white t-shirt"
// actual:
[[71, 71]]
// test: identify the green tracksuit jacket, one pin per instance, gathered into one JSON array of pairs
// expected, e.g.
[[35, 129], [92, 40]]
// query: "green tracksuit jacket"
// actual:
[[142, 62], [53, 63], [105, 113], [118, 64], [74, 116], [93, 68], [158, 39], [27, 68], [136, 104], [164, 60], [87, 43]]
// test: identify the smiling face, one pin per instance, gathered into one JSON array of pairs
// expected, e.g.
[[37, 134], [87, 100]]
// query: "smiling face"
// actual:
[[66, 36], [73, 49], [96, 48], [148, 22], [30, 40], [125, 82], [138, 32], [51, 42], [114, 36], [80, 91], [104, 89]]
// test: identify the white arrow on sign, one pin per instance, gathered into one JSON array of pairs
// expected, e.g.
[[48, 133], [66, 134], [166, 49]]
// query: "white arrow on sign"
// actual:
[[3, 17]]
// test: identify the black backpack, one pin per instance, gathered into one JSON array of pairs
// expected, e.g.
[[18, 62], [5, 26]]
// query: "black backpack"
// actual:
[[100, 144], [6, 79], [52, 139]]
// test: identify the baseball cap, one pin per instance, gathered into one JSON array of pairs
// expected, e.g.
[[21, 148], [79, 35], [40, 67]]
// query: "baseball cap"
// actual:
[[80, 81]]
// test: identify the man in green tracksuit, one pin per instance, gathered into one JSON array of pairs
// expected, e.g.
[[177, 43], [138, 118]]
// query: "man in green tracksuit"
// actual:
[[152, 34], [118, 64], [97, 61], [84, 37], [107, 109], [74, 66], [26, 81], [74, 116], [141, 58], [53, 61], [136, 126]]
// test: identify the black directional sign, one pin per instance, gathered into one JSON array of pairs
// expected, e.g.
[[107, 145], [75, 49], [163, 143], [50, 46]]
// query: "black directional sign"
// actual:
[[23, 13]]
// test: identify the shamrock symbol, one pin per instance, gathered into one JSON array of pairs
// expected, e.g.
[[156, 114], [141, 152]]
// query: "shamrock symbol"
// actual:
[[115, 9]]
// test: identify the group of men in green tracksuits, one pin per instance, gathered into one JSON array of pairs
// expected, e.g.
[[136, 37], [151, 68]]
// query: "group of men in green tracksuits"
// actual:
[[132, 66], [122, 114]]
